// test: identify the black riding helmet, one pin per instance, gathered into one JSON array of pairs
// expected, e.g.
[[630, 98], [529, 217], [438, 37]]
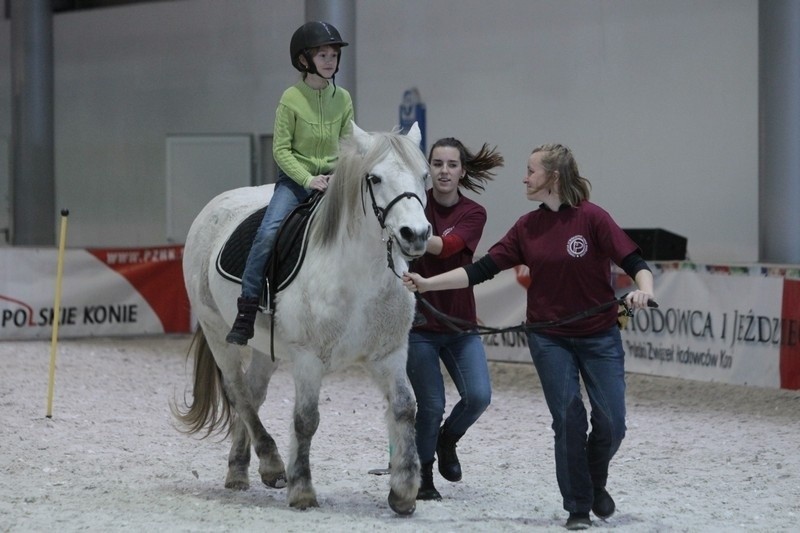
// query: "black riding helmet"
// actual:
[[309, 36]]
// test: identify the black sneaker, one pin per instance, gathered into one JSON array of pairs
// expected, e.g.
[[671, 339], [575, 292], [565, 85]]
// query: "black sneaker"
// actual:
[[603, 506], [449, 466], [429, 493], [578, 521], [426, 489]]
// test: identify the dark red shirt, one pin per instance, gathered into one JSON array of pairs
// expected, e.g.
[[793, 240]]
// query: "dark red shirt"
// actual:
[[466, 219], [569, 253]]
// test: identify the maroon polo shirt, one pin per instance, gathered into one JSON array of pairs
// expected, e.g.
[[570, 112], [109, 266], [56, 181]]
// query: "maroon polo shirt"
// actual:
[[569, 253], [465, 219]]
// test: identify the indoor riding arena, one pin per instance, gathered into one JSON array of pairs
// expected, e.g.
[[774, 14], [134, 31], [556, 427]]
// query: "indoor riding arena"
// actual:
[[122, 120]]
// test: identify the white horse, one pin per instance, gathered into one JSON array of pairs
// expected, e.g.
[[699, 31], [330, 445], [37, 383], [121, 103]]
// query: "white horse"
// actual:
[[346, 306]]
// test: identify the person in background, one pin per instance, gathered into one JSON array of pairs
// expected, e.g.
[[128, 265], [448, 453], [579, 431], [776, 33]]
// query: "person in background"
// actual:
[[457, 227], [568, 244], [311, 118]]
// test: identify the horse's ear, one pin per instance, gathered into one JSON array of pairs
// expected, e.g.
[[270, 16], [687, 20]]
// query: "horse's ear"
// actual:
[[414, 134], [363, 139]]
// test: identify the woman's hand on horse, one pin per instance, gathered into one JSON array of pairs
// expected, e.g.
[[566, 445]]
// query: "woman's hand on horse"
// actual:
[[320, 183]]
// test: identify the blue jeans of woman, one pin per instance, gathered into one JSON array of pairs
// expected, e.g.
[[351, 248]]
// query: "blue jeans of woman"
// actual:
[[287, 195], [465, 360], [581, 462]]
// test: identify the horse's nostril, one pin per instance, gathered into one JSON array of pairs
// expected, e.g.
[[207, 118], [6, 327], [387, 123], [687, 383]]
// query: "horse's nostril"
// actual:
[[407, 234]]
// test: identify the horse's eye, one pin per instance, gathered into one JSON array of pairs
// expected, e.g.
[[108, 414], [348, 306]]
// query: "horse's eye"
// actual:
[[373, 179]]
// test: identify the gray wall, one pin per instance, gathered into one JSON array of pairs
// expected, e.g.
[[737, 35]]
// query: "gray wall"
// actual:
[[659, 100]]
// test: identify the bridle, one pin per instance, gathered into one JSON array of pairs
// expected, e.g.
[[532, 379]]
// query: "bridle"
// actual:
[[382, 212]]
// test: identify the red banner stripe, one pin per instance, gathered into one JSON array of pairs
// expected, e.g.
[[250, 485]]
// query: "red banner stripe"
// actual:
[[790, 335]]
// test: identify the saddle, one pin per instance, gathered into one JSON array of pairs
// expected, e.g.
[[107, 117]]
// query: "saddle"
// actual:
[[287, 255]]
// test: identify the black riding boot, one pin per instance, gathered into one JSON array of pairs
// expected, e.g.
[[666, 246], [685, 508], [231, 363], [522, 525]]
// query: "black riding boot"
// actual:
[[449, 467], [242, 329], [426, 489]]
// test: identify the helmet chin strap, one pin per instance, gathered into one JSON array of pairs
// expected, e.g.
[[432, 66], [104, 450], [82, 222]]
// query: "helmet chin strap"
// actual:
[[311, 68]]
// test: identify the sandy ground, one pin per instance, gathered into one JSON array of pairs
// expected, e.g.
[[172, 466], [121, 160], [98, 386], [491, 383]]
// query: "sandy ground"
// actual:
[[698, 456]]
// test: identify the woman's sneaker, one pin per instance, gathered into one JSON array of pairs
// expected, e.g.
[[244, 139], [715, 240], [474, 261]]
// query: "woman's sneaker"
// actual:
[[449, 466], [578, 521], [603, 505]]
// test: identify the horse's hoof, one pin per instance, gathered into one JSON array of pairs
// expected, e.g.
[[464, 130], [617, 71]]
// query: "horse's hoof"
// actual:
[[237, 484], [276, 482], [400, 506], [304, 504], [237, 477]]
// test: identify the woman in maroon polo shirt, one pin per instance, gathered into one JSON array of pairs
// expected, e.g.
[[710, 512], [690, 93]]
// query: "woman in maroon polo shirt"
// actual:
[[457, 227]]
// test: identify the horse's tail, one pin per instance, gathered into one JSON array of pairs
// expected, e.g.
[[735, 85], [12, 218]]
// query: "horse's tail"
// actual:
[[209, 407]]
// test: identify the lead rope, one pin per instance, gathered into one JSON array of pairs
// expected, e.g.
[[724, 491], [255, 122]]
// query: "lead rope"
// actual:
[[477, 329]]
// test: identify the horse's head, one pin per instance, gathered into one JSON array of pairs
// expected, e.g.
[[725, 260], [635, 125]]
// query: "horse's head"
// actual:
[[383, 173], [394, 183]]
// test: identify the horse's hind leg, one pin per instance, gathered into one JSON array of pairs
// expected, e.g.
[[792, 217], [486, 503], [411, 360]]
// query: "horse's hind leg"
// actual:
[[307, 382], [270, 466], [245, 394], [390, 374], [238, 458]]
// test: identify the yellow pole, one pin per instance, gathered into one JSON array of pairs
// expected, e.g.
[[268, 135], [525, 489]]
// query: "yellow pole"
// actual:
[[56, 311]]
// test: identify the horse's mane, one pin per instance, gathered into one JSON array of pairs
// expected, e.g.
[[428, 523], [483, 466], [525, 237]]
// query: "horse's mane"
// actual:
[[346, 198]]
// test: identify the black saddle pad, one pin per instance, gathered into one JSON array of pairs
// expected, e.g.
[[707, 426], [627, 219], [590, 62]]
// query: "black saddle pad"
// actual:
[[287, 254]]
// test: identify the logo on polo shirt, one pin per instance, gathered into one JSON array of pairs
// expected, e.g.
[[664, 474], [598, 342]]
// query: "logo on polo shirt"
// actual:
[[577, 246]]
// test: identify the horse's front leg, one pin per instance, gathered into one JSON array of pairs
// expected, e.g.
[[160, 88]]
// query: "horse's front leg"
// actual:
[[307, 382], [401, 410]]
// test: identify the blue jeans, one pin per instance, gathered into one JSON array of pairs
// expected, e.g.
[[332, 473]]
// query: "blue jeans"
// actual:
[[465, 360], [287, 195], [581, 462]]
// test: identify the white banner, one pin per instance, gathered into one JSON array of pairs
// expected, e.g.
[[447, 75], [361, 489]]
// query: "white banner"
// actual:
[[104, 292], [714, 323], [710, 328]]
